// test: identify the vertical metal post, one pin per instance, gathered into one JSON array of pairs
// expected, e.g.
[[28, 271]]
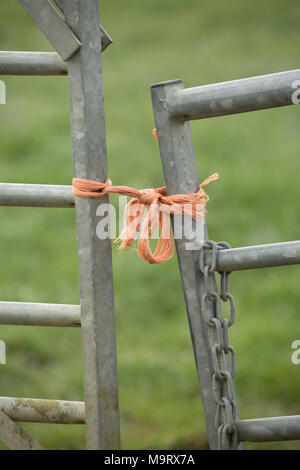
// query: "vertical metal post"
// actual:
[[181, 176], [95, 263]]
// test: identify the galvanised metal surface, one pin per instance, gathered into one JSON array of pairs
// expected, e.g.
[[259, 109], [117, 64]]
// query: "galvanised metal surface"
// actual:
[[237, 96], [181, 176], [223, 355], [31, 314], [95, 260], [101, 410], [14, 437], [173, 107], [258, 256], [106, 40], [282, 428], [35, 410], [53, 26], [36, 195], [32, 63]]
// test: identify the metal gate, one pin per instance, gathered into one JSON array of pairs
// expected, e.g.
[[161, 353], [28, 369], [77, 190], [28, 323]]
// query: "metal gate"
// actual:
[[215, 360], [75, 33], [73, 29]]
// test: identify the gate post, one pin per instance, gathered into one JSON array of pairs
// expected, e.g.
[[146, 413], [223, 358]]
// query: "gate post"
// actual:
[[95, 259]]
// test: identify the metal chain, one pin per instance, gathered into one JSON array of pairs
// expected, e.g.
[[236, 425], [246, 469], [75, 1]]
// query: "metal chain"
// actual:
[[223, 355]]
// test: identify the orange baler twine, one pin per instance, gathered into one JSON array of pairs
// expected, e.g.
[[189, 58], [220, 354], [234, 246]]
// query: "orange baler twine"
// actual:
[[159, 204]]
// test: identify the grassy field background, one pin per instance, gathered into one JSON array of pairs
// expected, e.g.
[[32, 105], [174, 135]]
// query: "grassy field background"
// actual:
[[255, 201]]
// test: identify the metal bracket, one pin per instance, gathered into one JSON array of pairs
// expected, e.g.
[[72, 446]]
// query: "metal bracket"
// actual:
[[106, 40], [53, 26], [14, 437]]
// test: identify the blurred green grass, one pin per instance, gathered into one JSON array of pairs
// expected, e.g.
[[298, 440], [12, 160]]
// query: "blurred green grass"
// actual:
[[255, 201]]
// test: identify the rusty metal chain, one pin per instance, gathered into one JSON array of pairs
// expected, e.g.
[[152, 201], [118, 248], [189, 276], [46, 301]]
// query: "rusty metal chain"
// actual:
[[223, 355]]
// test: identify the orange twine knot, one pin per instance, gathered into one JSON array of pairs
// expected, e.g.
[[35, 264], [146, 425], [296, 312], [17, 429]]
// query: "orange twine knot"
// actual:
[[160, 206]]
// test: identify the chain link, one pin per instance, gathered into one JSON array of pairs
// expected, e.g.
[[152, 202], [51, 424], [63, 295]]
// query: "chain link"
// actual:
[[223, 355]]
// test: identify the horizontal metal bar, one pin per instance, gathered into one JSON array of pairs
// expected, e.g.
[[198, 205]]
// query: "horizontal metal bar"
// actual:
[[30, 314], [237, 96], [257, 256], [283, 428], [36, 195], [32, 63], [34, 410]]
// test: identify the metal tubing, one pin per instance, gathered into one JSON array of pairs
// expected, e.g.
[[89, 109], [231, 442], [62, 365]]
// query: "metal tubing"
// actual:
[[32, 63], [34, 410], [95, 258], [237, 96], [181, 176], [283, 428], [258, 256], [36, 195], [30, 314]]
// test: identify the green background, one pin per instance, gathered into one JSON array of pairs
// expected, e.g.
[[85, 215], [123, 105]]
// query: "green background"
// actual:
[[255, 201]]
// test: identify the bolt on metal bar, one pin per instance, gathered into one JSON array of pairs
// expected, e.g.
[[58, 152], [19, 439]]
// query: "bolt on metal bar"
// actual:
[[36, 195], [35, 410], [95, 258], [258, 256], [33, 314], [181, 176], [282, 428], [32, 63], [237, 96], [14, 437]]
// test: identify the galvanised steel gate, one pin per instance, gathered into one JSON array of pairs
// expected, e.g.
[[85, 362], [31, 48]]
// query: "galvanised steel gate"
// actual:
[[173, 108], [75, 33]]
